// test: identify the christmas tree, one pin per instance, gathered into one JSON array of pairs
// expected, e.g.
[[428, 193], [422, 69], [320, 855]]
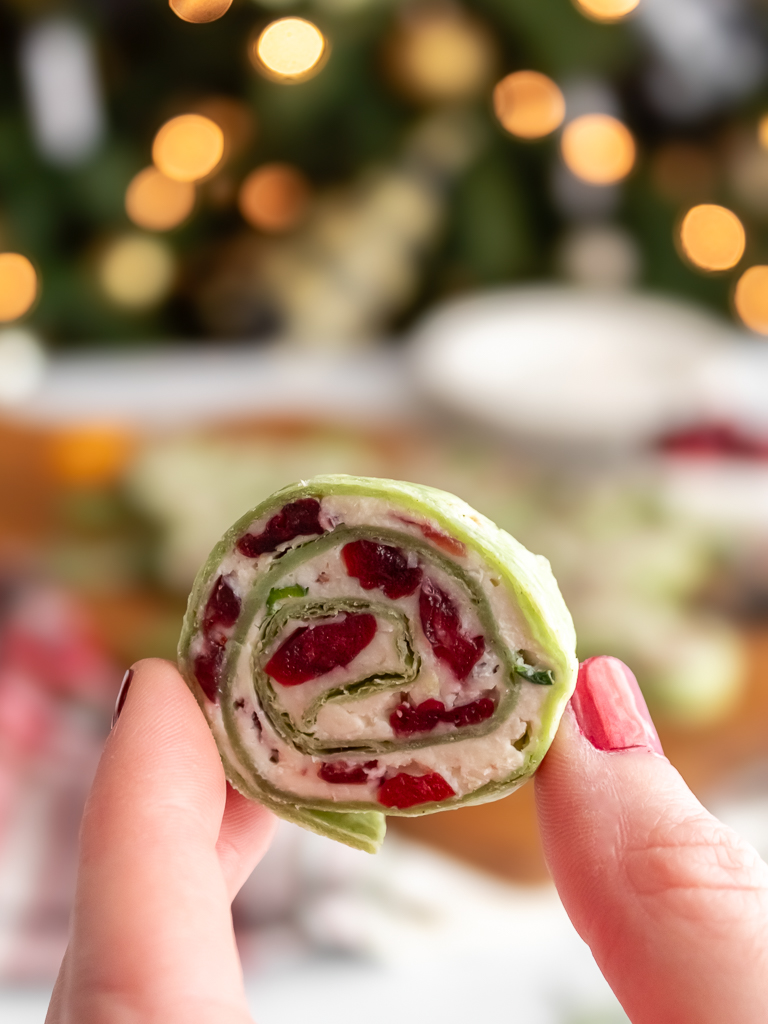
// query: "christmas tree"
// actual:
[[340, 165]]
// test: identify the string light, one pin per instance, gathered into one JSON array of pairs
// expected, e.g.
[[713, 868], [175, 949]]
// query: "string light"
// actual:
[[289, 49], [157, 203], [236, 120], [762, 131], [751, 298], [528, 104], [441, 55], [137, 271], [712, 237], [199, 12], [18, 286], [606, 10], [598, 148], [188, 147], [274, 197]]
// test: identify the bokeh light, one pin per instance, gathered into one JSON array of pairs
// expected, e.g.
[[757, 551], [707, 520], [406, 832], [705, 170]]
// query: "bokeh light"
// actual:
[[199, 12], [712, 237], [289, 49], [751, 298], [158, 203], [441, 55], [600, 256], [274, 197], [22, 365], [598, 148], [236, 120], [18, 286], [762, 131], [528, 104], [136, 271], [188, 147], [606, 10]]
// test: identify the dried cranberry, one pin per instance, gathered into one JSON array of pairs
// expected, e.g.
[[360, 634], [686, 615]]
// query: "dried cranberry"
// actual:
[[470, 714], [407, 790], [406, 719], [439, 539], [223, 605], [298, 519], [442, 627], [381, 565], [343, 772], [311, 651], [207, 667]]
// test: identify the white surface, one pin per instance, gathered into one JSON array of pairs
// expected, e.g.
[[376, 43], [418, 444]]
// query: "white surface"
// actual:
[[408, 936], [579, 365], [188, 385]]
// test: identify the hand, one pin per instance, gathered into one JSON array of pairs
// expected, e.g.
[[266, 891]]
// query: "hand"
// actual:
[[165, 845], [673, 904]]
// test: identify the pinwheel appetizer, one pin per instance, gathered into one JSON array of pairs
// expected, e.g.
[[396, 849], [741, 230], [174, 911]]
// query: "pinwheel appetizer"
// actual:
[[366, 647]]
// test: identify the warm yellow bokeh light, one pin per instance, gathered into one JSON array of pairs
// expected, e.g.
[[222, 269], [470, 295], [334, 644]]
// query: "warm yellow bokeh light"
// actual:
[[274, 197], [18, 286], [751, 298], [188, 147], [762, 131], [290, 48], [442, 55], [90, 455], [199, 12], [712, 237], [137, 271], [157, 203], [528, 104], [598, 148], [606, 10]]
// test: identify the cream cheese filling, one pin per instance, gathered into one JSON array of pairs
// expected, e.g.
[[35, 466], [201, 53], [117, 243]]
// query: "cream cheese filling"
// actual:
[[466, 764]]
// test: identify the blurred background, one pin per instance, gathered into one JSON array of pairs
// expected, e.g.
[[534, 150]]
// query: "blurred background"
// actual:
[[517, 249]]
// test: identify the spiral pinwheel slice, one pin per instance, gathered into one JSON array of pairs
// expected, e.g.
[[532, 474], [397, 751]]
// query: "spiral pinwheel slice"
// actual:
[[366, 647]]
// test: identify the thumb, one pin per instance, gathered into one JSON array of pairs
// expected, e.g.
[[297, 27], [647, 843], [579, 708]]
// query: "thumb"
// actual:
[[673, 904]]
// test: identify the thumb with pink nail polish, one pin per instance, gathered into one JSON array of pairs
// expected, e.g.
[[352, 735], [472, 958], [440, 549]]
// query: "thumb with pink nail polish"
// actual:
[[673, 904]]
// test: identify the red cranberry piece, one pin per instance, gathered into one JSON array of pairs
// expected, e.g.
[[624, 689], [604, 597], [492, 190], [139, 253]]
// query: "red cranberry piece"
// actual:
[[406, 719], [223, 605], [407, 790], [311, 651], [471, 714], [207, 668], [298, 519], [381, 565], [442, 540], [442, 627], [343, 772]]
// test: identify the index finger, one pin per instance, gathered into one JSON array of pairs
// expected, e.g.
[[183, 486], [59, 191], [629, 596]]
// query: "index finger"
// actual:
[[152, 927]]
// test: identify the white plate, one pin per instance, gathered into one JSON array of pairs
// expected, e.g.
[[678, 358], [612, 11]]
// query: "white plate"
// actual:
[[560, 363]]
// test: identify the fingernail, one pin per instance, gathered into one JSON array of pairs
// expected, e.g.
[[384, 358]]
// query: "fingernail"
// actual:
[[610, 709], [122, 693]]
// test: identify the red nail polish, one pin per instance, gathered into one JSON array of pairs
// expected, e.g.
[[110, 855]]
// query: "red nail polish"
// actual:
[[122, 693], [610, 708]]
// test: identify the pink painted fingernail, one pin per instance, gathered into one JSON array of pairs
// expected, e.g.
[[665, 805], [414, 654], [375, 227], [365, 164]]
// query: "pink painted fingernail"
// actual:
[[610, 709], [122, 693]]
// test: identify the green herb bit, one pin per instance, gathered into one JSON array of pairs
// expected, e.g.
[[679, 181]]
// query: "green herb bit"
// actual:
[[542, 676], [280, 593]]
